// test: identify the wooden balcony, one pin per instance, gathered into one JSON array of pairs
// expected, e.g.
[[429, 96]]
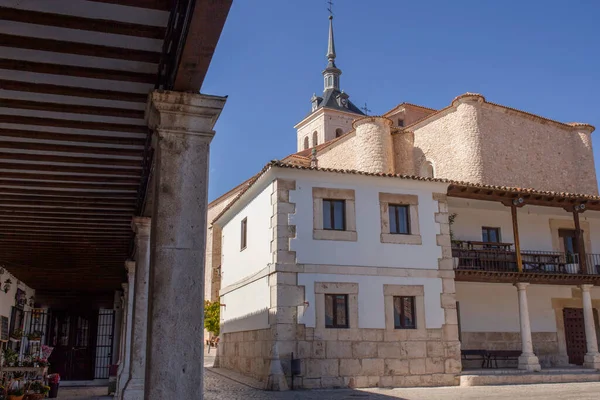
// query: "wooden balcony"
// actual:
[[497, 262]]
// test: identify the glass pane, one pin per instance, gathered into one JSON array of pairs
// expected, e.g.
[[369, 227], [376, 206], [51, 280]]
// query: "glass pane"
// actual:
[[338, 215], [328, 310], [484, 235], [327, 214], [340, 305], [493, 235], [569, 244], [408, 309], [397, 312], [393, 225], [403, 219]]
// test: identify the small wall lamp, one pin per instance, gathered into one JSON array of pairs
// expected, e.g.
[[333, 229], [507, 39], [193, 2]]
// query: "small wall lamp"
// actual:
[[518, 201]]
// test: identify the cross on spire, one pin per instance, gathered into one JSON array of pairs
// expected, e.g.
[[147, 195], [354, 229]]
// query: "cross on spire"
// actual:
[[330, 8], [366, 109]]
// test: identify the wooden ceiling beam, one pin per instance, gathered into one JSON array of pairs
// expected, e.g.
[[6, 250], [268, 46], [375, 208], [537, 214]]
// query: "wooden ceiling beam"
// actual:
[[71, 169], [34, 87], [78, 48], [65, 148], [74, 185], [82, 23], [72, 108], [71, 159], [58, 194], [71, 178], [74, 124], [67, 219], [81, 72], [75, 200], [54, 213], [162, 5], [66, 241], [55, 206]]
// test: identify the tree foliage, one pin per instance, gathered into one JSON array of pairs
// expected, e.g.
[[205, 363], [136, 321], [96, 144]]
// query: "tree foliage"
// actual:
[[212, 317]]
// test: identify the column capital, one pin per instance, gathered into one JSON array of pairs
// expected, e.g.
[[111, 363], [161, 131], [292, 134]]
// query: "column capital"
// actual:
[[141, 226], [521, 285], [130, 267], [169, 112], [125, 287], [586, 287]]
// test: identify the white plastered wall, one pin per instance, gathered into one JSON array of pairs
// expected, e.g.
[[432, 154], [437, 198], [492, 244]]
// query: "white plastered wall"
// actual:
[[246, 308], [368, 249], [371, 310], [7, 300], [237, 264], [493, 307]]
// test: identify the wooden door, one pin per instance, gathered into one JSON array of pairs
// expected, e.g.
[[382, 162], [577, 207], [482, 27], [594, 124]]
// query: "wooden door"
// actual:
[[575, 335]]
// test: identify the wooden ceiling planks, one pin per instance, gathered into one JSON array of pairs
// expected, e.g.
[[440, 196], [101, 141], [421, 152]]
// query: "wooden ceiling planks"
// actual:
[[74, 155]]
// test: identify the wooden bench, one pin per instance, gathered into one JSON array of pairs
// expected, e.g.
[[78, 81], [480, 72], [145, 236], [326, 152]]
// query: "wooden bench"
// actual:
[[476, 355], [494, 355]]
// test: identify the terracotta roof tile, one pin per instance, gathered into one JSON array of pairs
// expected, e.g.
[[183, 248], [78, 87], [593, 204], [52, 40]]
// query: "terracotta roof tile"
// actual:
[[516, 190]]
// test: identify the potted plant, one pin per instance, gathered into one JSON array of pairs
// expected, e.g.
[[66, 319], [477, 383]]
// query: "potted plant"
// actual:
[[15, 393], [11, 357], [572, 264], [17, 334], [35, 335], [53, 381]]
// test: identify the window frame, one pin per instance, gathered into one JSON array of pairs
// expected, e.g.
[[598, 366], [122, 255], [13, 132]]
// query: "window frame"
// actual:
[[400, 199], [334, 324], [401, 315], [400, 122], [396, 207], [332, 220], [315, 138], [348, 195], [244, 234], [487, 229]]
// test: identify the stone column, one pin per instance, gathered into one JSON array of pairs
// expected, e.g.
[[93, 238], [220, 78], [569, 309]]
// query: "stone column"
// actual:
[[134, 389], [183, 129], [128, 295], [528, 360], [118, 322], [592, 357]]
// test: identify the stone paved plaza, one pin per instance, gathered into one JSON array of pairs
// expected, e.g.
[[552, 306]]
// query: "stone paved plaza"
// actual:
[[222, 388]]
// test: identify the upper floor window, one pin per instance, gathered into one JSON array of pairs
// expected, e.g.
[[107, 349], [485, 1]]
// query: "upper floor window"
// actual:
[[400, 122], [244, 234], [336, 311], [399, 219], [339, 132], [315, 139], [334, 214], [490, 235], [306, 144], [427, 170], [404, 312]]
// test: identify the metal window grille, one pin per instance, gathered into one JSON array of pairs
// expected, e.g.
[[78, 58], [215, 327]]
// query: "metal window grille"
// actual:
[[104, 343]]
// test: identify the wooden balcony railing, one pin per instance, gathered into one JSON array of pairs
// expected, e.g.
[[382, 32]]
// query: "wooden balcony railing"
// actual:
[[501, 259]]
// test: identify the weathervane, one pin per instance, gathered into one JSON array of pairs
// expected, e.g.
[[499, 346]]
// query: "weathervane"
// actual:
[[366, 109], [330, 8]]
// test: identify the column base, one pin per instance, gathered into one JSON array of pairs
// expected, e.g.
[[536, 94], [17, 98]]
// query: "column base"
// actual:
[[276, 380], [591, 360], [529, 362], [134, 390]]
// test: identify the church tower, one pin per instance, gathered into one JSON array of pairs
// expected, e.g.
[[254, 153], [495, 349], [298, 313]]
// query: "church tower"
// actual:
[[331, 114]]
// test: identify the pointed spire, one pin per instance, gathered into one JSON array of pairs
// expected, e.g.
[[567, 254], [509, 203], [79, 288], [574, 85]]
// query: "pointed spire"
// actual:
[[331, 47]]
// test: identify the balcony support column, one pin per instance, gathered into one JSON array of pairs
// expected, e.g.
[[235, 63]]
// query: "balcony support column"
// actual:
[[580, 241], [592, 357], [527, 360], [515, 225]]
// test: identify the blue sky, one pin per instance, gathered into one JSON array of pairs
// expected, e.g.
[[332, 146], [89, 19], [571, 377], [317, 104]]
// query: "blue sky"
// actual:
[[540, 56]]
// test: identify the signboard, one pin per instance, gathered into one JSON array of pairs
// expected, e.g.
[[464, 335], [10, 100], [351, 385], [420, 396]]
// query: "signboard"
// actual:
[[3, 328]]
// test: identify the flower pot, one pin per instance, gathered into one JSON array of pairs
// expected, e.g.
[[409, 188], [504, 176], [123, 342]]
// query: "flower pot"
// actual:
[[572, 268], [53, 390], [13, 397], [34, 396]]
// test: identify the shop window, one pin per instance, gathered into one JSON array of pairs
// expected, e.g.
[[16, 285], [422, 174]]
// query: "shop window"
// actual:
[[336, 311], [404, 312]]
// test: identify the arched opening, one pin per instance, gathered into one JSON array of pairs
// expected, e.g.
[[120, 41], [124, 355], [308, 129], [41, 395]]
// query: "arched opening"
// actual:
[[427, 170], [339, 132], [306, 143], [315, 138]]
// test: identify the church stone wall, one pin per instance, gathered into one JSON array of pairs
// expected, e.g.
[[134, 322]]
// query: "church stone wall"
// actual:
[[452, 142], [342, 155], [525, 151], [375, 148]]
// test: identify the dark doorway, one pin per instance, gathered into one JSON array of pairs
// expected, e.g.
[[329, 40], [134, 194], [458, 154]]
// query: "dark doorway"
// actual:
[[575, 335], [73, 336]]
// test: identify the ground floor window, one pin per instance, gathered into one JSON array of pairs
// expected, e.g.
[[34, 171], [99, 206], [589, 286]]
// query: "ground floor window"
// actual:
[[404, 312], [336, 311]]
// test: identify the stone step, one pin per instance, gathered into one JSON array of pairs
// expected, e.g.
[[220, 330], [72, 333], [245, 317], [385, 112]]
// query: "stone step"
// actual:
[[523, 378]]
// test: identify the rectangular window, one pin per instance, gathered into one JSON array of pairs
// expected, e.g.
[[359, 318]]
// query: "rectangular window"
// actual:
[[334, 215], [400, 122], [244, 238], [336, 311], [399, 219], [404, 312], [490, 235]]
